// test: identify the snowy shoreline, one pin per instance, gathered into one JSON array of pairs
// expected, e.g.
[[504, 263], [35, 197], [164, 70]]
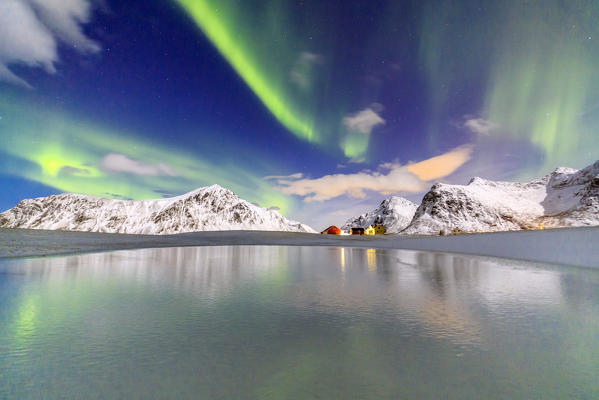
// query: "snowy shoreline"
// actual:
[[569, 246]]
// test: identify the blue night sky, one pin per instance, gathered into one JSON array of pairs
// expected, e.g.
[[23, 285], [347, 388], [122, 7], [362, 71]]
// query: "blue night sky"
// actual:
[[321, 109]]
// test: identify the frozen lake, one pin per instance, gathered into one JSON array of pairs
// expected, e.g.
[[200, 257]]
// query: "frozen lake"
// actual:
[[278, 322]]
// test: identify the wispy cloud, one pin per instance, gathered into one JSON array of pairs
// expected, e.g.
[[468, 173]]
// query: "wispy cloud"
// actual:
[[30, 31], [297, 175], [73, 171], [301, 73], [164, 193], [120, 163], [480, 125], [116, 196], [443, 165], [353, 160], [398, 178], [354, 185], [388, 165], [363, 121]]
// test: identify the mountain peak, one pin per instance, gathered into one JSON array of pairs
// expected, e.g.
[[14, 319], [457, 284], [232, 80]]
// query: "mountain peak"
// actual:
[[477, 181], [394, 212]]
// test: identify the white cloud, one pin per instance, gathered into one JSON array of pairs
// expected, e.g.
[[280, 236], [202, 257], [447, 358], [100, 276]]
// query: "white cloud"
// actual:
[[363, 121], [480, 125], [412, 178], [120, 163], [65, 18], [30, 31]]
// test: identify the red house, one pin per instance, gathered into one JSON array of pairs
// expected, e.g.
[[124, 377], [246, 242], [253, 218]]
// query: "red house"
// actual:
[[332, 230]]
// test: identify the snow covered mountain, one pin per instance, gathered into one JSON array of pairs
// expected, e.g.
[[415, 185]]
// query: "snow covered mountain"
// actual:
[[395, 213], [566, 197], [210, 208]]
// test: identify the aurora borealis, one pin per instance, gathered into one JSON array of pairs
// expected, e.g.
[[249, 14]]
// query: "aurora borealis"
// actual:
[[318, 108]]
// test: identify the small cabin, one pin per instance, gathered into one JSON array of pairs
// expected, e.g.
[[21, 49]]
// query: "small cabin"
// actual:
[[379, 229], [357, 231], [369, 231], [331, 230]]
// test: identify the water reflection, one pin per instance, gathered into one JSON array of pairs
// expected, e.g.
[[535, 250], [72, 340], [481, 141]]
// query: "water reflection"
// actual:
[[496, 281], [431, 291], [293, 322], [203, 271]]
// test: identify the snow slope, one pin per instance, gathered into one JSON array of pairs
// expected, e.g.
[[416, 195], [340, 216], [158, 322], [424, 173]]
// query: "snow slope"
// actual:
[[566, 197], [395, 213], [210, 208]]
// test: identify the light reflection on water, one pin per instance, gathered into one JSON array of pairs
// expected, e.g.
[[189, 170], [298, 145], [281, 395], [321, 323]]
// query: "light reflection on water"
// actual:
[[296, 322]]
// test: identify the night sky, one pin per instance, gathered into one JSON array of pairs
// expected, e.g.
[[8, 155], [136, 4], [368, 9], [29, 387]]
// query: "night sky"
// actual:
[[318, 108]]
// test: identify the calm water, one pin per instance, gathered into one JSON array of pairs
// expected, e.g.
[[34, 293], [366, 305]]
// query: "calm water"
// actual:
[[296, 322]]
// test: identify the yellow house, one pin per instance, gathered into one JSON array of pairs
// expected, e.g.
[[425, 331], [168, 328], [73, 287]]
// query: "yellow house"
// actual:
[[369, 230], [379, 229]]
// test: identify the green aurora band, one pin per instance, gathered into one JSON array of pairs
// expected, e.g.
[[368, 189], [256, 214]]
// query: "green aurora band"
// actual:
[[537, 61], [542, 84], [220, 24], [533, 63], [266, 44], [221, 31], [64, 153]]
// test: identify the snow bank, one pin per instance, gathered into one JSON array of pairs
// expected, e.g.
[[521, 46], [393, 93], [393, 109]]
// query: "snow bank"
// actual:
[[568, 246]]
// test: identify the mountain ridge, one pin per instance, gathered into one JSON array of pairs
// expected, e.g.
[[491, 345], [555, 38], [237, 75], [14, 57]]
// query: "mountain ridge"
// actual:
[[204, 209]]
